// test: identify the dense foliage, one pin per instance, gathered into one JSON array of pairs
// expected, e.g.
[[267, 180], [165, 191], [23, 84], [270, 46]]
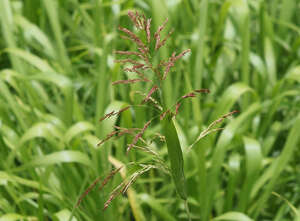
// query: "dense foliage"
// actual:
[[56, 73]]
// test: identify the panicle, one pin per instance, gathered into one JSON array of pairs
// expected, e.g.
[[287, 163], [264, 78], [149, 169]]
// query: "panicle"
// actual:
[[137, 137], [177, 108], [202, 91], [210, 129], [112, 173], [123, 187], [135, 39], [150, 93], [188, 95], [127, 53], [157, 34], [163, 42], [86, 192], [170, 63], [107, 116], [123, 109], [153, 101], [116, 192], [162, 116], [148, 24], [128, 60], [182, 54], [108, 136], [135, 175], [123, 131], [133, 17], [130, 81], [104, 182], [141, 75], [112, 113]]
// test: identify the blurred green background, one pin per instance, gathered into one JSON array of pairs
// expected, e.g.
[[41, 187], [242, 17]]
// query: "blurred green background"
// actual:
[[56, 69]]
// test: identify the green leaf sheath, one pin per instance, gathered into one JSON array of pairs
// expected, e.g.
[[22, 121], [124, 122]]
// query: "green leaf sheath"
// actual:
[[175, 155]]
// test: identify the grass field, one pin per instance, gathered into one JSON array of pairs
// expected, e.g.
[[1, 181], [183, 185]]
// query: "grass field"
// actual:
[[56, 72]]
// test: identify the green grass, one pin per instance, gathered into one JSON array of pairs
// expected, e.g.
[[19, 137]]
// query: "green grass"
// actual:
[[56, 60]]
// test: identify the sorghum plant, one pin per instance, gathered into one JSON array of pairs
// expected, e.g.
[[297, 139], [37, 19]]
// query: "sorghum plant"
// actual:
[[141, 63]]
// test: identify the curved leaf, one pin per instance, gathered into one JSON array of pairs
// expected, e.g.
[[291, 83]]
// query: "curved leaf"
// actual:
[[35, 61], [230, 96], [77, 129], [43, 130], [234, 216], [253, 166], [66, 156], [15, 217], [294, 74], [64, 215], [35, 34]]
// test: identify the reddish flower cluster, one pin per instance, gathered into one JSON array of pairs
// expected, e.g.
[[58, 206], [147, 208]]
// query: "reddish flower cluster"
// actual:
[[141, 23]]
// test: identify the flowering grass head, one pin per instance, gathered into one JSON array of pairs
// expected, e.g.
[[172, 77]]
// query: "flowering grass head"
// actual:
[[141, 62]]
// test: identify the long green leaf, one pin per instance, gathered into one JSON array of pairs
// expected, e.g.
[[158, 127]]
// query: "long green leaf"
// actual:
[[175, 156]]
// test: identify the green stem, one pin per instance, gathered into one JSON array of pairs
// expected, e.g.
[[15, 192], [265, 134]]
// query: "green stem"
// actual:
[[187, 210]]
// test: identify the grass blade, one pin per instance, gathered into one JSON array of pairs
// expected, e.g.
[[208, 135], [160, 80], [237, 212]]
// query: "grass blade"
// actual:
[[175, 156]]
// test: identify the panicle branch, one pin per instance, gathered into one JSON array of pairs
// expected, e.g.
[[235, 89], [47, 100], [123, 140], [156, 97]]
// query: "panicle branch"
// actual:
[[150, 93], [136, 138], [177, 108], [157, 34], [189, 95], [202, 91], [108, 136], [112, 113], [108, 178], [133, 17], [136, 39], [170, 63], [104, 182], [154, 102], [128, 60], [123, 187], [122, 131], [162, 116], [163, 42], [116, 192], [148, 25], [135, 175], [107, 115], [130, 81], [210, 129]]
